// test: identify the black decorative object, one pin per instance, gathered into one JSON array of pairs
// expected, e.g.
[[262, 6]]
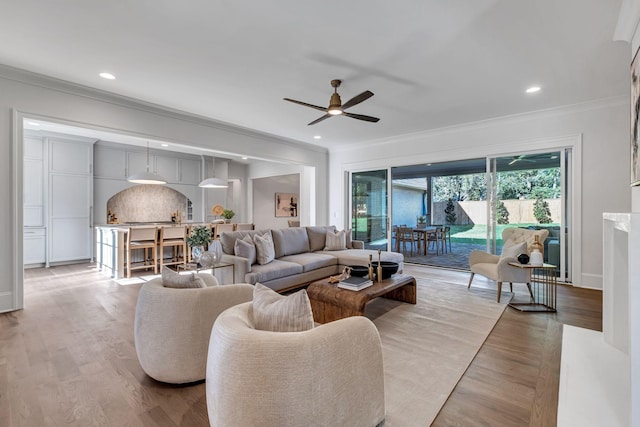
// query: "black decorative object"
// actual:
[[388, 268], [523, 259], [359, 270]]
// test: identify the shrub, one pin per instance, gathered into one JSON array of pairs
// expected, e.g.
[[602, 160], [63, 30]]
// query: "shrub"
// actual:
[[502, 213], [541, 211], [450, 212]]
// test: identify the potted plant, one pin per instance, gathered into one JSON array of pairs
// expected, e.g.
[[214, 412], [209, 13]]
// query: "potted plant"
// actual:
[[198, 240], [227, 214]]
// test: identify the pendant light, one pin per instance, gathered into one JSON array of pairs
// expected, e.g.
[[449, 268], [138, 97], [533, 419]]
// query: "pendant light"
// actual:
[[213, 182], [147, 177]]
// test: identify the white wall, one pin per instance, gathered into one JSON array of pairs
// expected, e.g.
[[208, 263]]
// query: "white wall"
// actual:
[[53, 100], [602, 127], [264, 190]]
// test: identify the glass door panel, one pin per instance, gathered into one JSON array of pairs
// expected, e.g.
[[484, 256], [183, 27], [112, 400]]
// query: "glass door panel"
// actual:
[[369, 208], [529, 191]]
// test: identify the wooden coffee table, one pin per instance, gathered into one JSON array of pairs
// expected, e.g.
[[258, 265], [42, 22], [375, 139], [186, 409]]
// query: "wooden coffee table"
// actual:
[[329, 302]]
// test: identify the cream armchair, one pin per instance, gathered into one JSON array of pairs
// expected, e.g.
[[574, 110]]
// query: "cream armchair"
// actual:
[[330, 375], [497, 268], [172, 327]]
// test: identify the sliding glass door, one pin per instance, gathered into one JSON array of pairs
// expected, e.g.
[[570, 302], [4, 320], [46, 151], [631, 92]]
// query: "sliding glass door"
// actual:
[[369, 208], [530, 191]]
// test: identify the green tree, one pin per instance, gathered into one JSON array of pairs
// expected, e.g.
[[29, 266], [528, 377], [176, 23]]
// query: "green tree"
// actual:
[[450, 212], [541, 210], [502, 213]]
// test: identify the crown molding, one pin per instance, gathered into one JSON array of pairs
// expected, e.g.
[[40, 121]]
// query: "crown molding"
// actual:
[[51, 83], [628, 19], [482, 124]]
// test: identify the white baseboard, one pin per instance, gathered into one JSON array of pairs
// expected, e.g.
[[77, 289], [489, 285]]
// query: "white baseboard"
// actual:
[[590, 281]]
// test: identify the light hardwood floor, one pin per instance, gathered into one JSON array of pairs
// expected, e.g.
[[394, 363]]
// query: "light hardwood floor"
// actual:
[[69, 358]]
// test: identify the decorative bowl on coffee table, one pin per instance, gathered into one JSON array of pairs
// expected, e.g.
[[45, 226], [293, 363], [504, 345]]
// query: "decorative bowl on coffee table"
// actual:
[[389, 268], [359, 270]]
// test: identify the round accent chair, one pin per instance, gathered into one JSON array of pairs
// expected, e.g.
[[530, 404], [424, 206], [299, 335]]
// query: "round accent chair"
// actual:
[[331, 375], [172, 327]]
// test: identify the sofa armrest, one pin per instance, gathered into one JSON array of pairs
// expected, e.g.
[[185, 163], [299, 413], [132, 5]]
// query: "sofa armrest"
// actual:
[[242, 266], [357, 244]]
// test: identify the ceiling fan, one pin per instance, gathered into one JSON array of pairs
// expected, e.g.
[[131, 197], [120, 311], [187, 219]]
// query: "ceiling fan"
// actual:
[[521, 158], [336, 108]]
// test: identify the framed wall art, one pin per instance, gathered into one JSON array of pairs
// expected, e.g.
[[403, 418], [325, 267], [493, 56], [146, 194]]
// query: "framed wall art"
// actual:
[[635, 125], [287, 204]]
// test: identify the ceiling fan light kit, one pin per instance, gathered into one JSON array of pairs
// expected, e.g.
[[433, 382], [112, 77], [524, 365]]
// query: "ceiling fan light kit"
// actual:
[[335, 105]]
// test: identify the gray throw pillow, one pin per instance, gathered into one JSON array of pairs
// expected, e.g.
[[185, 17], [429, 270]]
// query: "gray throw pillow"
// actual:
[[265, 252], [246, 249], [280, 313], [171, 279]]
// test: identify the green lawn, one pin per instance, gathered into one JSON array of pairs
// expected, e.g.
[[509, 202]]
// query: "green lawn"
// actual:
[[477, 233]]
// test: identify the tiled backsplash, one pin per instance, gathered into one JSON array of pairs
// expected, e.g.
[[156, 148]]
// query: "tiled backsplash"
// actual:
[[147, 203]]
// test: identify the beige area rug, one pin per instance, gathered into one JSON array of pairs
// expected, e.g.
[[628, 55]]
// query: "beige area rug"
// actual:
[[428, 346]]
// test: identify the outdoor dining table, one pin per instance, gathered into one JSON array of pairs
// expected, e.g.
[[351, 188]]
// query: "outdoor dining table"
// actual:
[[426, 231]]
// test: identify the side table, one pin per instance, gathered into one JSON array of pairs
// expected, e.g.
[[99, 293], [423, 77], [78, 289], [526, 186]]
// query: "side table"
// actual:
[[543, 285]]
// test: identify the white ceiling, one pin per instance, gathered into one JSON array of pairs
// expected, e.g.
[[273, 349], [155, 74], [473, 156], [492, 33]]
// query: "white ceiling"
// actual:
[[430, 63]]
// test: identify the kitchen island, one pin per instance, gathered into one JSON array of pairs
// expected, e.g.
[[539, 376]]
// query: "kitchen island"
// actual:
[[110, 241]]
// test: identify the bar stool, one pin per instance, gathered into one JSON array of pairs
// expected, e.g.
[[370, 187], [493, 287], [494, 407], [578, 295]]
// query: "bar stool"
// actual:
[[224, 228], [244, 227], [175, 238], [143, 238]]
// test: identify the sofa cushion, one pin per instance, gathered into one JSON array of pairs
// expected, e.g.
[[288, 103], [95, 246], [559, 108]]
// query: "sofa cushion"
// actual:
[[280, 313], [317, 236], [265, 252], [335, 241], [171, 279], [274, 270], [290, 241], [228, 240], [311, 261], [245, 248]]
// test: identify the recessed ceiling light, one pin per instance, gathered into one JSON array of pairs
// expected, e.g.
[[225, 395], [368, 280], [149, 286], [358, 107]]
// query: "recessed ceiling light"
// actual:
[[244, 157], [533, 89], [428, 164], [317, 137], [165, 145], [553, 157], [107, 76]]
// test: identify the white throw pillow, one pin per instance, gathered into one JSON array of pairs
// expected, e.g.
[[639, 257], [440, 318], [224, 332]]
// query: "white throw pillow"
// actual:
[[513, 249], [265, 252], [171, 279], [335, 241], [245, 248], [280, 313]]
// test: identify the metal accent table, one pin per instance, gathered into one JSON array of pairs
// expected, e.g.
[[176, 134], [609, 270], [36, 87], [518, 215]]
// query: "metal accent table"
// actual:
[[543, 285]]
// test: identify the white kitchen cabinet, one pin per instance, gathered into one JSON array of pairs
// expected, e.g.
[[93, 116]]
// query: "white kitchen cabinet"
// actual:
[[33, 183], [167, 167], [190, 172], [137, 162], [34, 244], [70, 200], [110, 163]]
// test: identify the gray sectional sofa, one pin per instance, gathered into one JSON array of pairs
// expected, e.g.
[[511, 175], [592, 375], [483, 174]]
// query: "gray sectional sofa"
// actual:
[[300, 257]]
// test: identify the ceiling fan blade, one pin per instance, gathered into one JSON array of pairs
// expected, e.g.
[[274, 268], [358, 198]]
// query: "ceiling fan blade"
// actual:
[[357, 99], [305, 104], [513, 161], [361, 117], [326, 116]]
